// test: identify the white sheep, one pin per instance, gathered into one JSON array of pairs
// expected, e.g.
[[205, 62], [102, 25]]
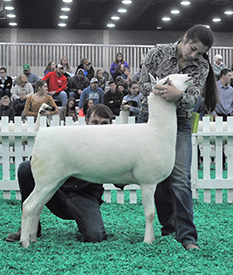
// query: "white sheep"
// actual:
[[24, 127], [141, 154]]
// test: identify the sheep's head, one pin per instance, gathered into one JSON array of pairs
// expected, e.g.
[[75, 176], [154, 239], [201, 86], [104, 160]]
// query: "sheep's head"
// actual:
[[180, 81], [45, 107]]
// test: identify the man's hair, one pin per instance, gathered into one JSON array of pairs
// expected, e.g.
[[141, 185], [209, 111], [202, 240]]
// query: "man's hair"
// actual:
[[224, 72], [111, 82], [99, 110], [4, 69]]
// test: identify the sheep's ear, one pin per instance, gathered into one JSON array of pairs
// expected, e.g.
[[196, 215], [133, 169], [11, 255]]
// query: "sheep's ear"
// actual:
[[152, 79]]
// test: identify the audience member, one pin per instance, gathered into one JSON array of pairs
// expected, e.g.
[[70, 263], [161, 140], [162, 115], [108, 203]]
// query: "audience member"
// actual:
[[88, 103], [137, 75], [132, 101], [224, 105], [119, 60], [32, 78], [118, 71], [122, 85], [77, 84], [88, 69], [34, 101], [5, 83], [21, 84], [19, 103], [57, 84], [101, 79], [126, 74], [69, 110], [50, 67], [6, 109], [113, 98], [218, 65], [94, 92], [67, 69], [76, 199]]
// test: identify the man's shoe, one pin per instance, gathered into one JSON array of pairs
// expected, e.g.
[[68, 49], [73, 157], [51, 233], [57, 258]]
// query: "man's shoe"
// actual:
[[191, 246], [14, 237]]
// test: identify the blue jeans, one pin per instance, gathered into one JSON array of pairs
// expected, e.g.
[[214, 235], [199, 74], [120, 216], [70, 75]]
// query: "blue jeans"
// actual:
[[68, 205], [73, 94], [62, 96], [5, 92], [173, 196]]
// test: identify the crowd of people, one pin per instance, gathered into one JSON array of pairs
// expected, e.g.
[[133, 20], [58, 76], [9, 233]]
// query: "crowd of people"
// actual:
[[210, 92]]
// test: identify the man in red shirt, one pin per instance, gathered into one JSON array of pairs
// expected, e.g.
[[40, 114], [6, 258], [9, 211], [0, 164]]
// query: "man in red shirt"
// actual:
[[57, 84]]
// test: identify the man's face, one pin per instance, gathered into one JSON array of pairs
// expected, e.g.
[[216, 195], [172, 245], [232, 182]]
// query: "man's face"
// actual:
[[26, 72], [112, 87], [94, 85], [2, 74], [95, 120], [87, 67], [59, 72], [227, 78]]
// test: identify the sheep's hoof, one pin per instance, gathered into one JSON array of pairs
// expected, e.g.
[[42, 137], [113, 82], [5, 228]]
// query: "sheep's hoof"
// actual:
[[149, 241], [24, 244]]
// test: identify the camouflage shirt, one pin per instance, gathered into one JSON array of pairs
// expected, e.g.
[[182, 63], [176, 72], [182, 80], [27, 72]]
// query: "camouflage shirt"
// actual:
[[162, 61]]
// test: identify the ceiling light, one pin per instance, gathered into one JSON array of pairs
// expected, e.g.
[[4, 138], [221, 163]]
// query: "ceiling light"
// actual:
[[65, 9], [62, 24], [122, 10], [228, 12], [207, 26], [185, 3], [110, 25], [67, 1], [7, 0], [166, 18], [63, 16], [127, 2], [13, 24], [216, 20], [11, 15], [115, 17], [175, 11], [9, 8]]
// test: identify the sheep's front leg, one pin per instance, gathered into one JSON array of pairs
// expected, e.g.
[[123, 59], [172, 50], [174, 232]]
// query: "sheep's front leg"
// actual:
[[149, 210]]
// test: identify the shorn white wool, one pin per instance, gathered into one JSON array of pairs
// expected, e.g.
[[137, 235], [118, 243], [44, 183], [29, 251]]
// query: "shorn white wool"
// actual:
[[141, 154]]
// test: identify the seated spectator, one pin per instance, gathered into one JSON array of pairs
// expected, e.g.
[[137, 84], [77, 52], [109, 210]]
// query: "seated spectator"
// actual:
[[50, 67], [94, 92], [118, 71], [88, 69], [67, 69], [5, 83], [57, 84], [101, 79], [122, 85], [32, 78], [132, 101], [119, 60], [69, 110], [126, 74], [77, 84], [21, 84], [137, 75], [218, 65], [113, 98], [6, 109], [88, 103], [34, 101], [19, 103]]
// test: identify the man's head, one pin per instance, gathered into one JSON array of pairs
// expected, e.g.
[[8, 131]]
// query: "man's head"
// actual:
[[99, 114], [59, 69], [225, 76], [113, 86], [86, 65], [3, 71], [94, 83], [120, 81], [80, 73], [26, 69]]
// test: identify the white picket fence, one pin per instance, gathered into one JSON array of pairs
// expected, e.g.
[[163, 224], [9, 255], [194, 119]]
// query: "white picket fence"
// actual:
[[17, 145]]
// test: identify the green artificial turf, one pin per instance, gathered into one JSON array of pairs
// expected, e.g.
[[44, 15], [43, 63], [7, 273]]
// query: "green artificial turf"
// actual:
[[60, 250]]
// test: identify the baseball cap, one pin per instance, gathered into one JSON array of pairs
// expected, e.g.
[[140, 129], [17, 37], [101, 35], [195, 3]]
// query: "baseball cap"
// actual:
[[86, 62], [93, 80], [26, 67]]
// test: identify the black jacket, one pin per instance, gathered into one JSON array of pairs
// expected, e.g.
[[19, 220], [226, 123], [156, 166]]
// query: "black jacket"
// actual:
[[74, 84], [90, 74], [7, 111], [7, 83]]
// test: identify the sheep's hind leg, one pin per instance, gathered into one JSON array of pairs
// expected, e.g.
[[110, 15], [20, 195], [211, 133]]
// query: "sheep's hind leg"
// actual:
[[148, 191]]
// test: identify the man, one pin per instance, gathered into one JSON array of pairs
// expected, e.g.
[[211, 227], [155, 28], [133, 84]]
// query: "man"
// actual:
[[5, 83], [224, 106], [77, 199], [77, 84], [122, 85], [88, 69], [113, 98], [32, 78], [57, 83], [94, 92]]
